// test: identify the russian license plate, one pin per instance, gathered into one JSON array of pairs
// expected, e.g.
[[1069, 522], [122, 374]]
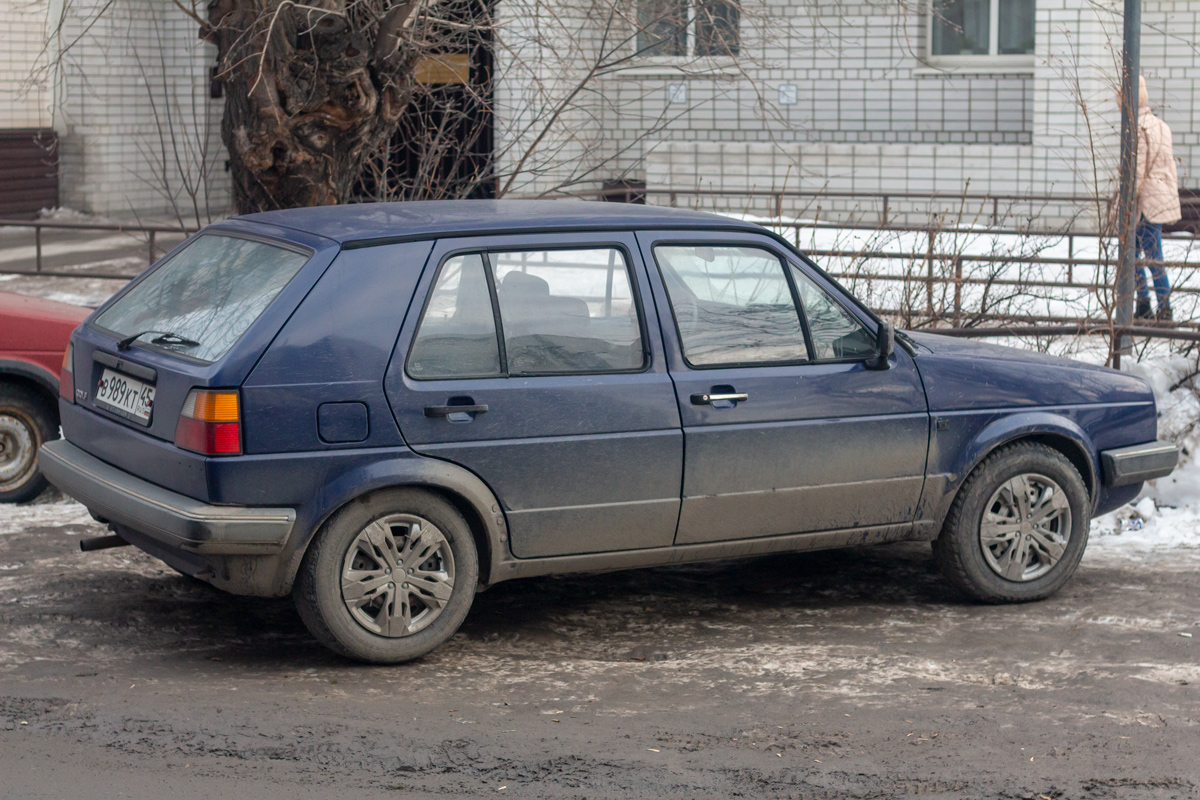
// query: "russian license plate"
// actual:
[[125, 396]]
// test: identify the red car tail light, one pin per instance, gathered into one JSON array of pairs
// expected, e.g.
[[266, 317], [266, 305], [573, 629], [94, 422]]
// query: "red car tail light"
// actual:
[[66, 377], [210, 423]]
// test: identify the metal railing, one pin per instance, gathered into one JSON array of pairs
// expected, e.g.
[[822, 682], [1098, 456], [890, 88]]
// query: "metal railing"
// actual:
[[775, 199], [933, 268], [930, 266], [148, 234]]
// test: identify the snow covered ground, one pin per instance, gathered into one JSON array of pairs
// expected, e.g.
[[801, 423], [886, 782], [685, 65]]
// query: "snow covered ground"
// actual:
[[1165, 519]]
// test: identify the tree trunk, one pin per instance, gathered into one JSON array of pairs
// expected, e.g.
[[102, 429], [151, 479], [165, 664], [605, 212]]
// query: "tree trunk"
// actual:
[[311, 92]]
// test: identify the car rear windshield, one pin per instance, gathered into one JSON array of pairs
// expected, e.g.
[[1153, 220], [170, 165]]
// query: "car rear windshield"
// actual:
[[208, 293]]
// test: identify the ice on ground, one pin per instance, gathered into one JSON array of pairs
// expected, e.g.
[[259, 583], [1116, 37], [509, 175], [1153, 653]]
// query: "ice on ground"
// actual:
[[56, 512]]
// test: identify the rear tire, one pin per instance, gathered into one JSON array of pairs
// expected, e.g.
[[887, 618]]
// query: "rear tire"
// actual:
[[26, 423], [1018, 528], [389, 577]]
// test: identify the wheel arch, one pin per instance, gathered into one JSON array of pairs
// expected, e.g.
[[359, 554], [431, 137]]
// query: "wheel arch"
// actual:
[[459, 487], [34, 379], [1074, 452], [1052, 430]]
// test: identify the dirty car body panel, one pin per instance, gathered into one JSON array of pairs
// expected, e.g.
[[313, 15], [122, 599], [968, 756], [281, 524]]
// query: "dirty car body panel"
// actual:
[[584, 469]]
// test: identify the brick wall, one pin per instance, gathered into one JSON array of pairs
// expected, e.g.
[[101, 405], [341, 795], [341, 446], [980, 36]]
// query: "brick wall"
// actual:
[[1061, 122], [871, 116], [138, 131], [24, 98], [853, 65], [857, 76], [1171, 66], [868, 116]]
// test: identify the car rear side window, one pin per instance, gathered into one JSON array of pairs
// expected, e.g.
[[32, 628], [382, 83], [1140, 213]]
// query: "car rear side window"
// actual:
[[732, 305], [208, 293], [567, 311], [457, 337]]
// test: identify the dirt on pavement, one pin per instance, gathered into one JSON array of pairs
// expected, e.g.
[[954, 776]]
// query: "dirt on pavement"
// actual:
[[843, 674]]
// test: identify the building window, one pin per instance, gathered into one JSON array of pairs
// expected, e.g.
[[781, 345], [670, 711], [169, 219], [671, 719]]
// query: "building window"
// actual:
[[685, 28], [973, 30]]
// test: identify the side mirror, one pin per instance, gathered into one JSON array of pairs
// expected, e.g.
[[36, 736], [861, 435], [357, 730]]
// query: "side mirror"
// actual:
[[885, 345]]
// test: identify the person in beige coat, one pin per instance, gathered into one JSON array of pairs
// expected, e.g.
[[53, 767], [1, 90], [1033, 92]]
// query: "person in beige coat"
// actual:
[[1158, 204]]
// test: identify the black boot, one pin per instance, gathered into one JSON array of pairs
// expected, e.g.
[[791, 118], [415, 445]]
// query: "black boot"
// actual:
[[1164, 313], [1143, 309]]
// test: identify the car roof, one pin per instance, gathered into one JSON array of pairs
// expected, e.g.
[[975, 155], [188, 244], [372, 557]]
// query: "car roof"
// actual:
[[363, 222]]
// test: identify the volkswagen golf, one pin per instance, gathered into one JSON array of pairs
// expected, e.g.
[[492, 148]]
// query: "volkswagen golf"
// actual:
[[383, 409]]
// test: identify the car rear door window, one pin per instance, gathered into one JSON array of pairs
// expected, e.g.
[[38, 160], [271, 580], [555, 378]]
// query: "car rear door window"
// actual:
[[567, 311], [209, 292], [457, 337], [836, 334], [732, 305]]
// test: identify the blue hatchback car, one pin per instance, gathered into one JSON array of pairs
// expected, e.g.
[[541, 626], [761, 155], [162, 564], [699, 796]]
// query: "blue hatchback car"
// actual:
[[382, 409]]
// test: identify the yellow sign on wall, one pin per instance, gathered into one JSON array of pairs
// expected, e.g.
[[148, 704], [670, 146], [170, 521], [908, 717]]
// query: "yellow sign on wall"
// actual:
[[444, 68]]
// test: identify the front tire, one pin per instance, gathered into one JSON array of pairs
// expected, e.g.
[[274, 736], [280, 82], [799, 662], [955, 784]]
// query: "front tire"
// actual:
[[389, 577], [1018, 528], [26, 423]]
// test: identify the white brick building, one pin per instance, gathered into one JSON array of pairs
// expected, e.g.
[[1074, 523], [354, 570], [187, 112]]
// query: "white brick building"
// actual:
[[840, 96], [131, 93], [850, 96]]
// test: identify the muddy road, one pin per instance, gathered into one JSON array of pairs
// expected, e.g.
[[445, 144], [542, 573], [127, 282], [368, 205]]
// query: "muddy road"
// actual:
[[830, 675]]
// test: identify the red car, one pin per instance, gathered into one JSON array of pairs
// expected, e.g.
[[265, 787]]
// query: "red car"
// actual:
[[33, 337]]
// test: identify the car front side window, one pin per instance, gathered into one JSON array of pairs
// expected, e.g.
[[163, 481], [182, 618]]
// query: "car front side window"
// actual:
[[836, 334], [732, 305]]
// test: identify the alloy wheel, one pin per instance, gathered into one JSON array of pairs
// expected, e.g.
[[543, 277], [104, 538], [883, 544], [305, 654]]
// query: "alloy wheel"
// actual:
[[397, 575], [1025, 527]]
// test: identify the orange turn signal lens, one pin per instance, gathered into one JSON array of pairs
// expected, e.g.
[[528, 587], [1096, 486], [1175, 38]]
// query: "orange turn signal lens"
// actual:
[[206, 406]]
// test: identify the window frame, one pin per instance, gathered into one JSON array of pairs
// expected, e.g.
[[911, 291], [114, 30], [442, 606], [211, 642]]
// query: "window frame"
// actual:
[[689, 56], [437, 276], [837, 298], [792, 291], [993, 59], [485, 253], [787, 264]]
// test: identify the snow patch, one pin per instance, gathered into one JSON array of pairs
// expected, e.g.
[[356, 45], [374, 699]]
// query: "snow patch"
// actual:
[[43, 514], [62, 214]]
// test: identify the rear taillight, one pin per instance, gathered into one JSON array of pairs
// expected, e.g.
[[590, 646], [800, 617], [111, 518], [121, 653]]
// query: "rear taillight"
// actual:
[[210, 423], [66, 377]]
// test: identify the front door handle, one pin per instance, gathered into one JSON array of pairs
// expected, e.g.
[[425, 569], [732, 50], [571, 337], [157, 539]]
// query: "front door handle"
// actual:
[[709, 399]]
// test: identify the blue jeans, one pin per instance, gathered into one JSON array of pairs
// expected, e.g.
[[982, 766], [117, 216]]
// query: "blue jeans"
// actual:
[[1150, 256]]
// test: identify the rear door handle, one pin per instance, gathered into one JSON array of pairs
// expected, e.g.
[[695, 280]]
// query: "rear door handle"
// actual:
[[709, 399], [456, 413]]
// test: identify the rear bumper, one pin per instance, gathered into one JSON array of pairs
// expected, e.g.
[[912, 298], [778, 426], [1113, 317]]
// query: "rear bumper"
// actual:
[[1140, 462], [169, 518]]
